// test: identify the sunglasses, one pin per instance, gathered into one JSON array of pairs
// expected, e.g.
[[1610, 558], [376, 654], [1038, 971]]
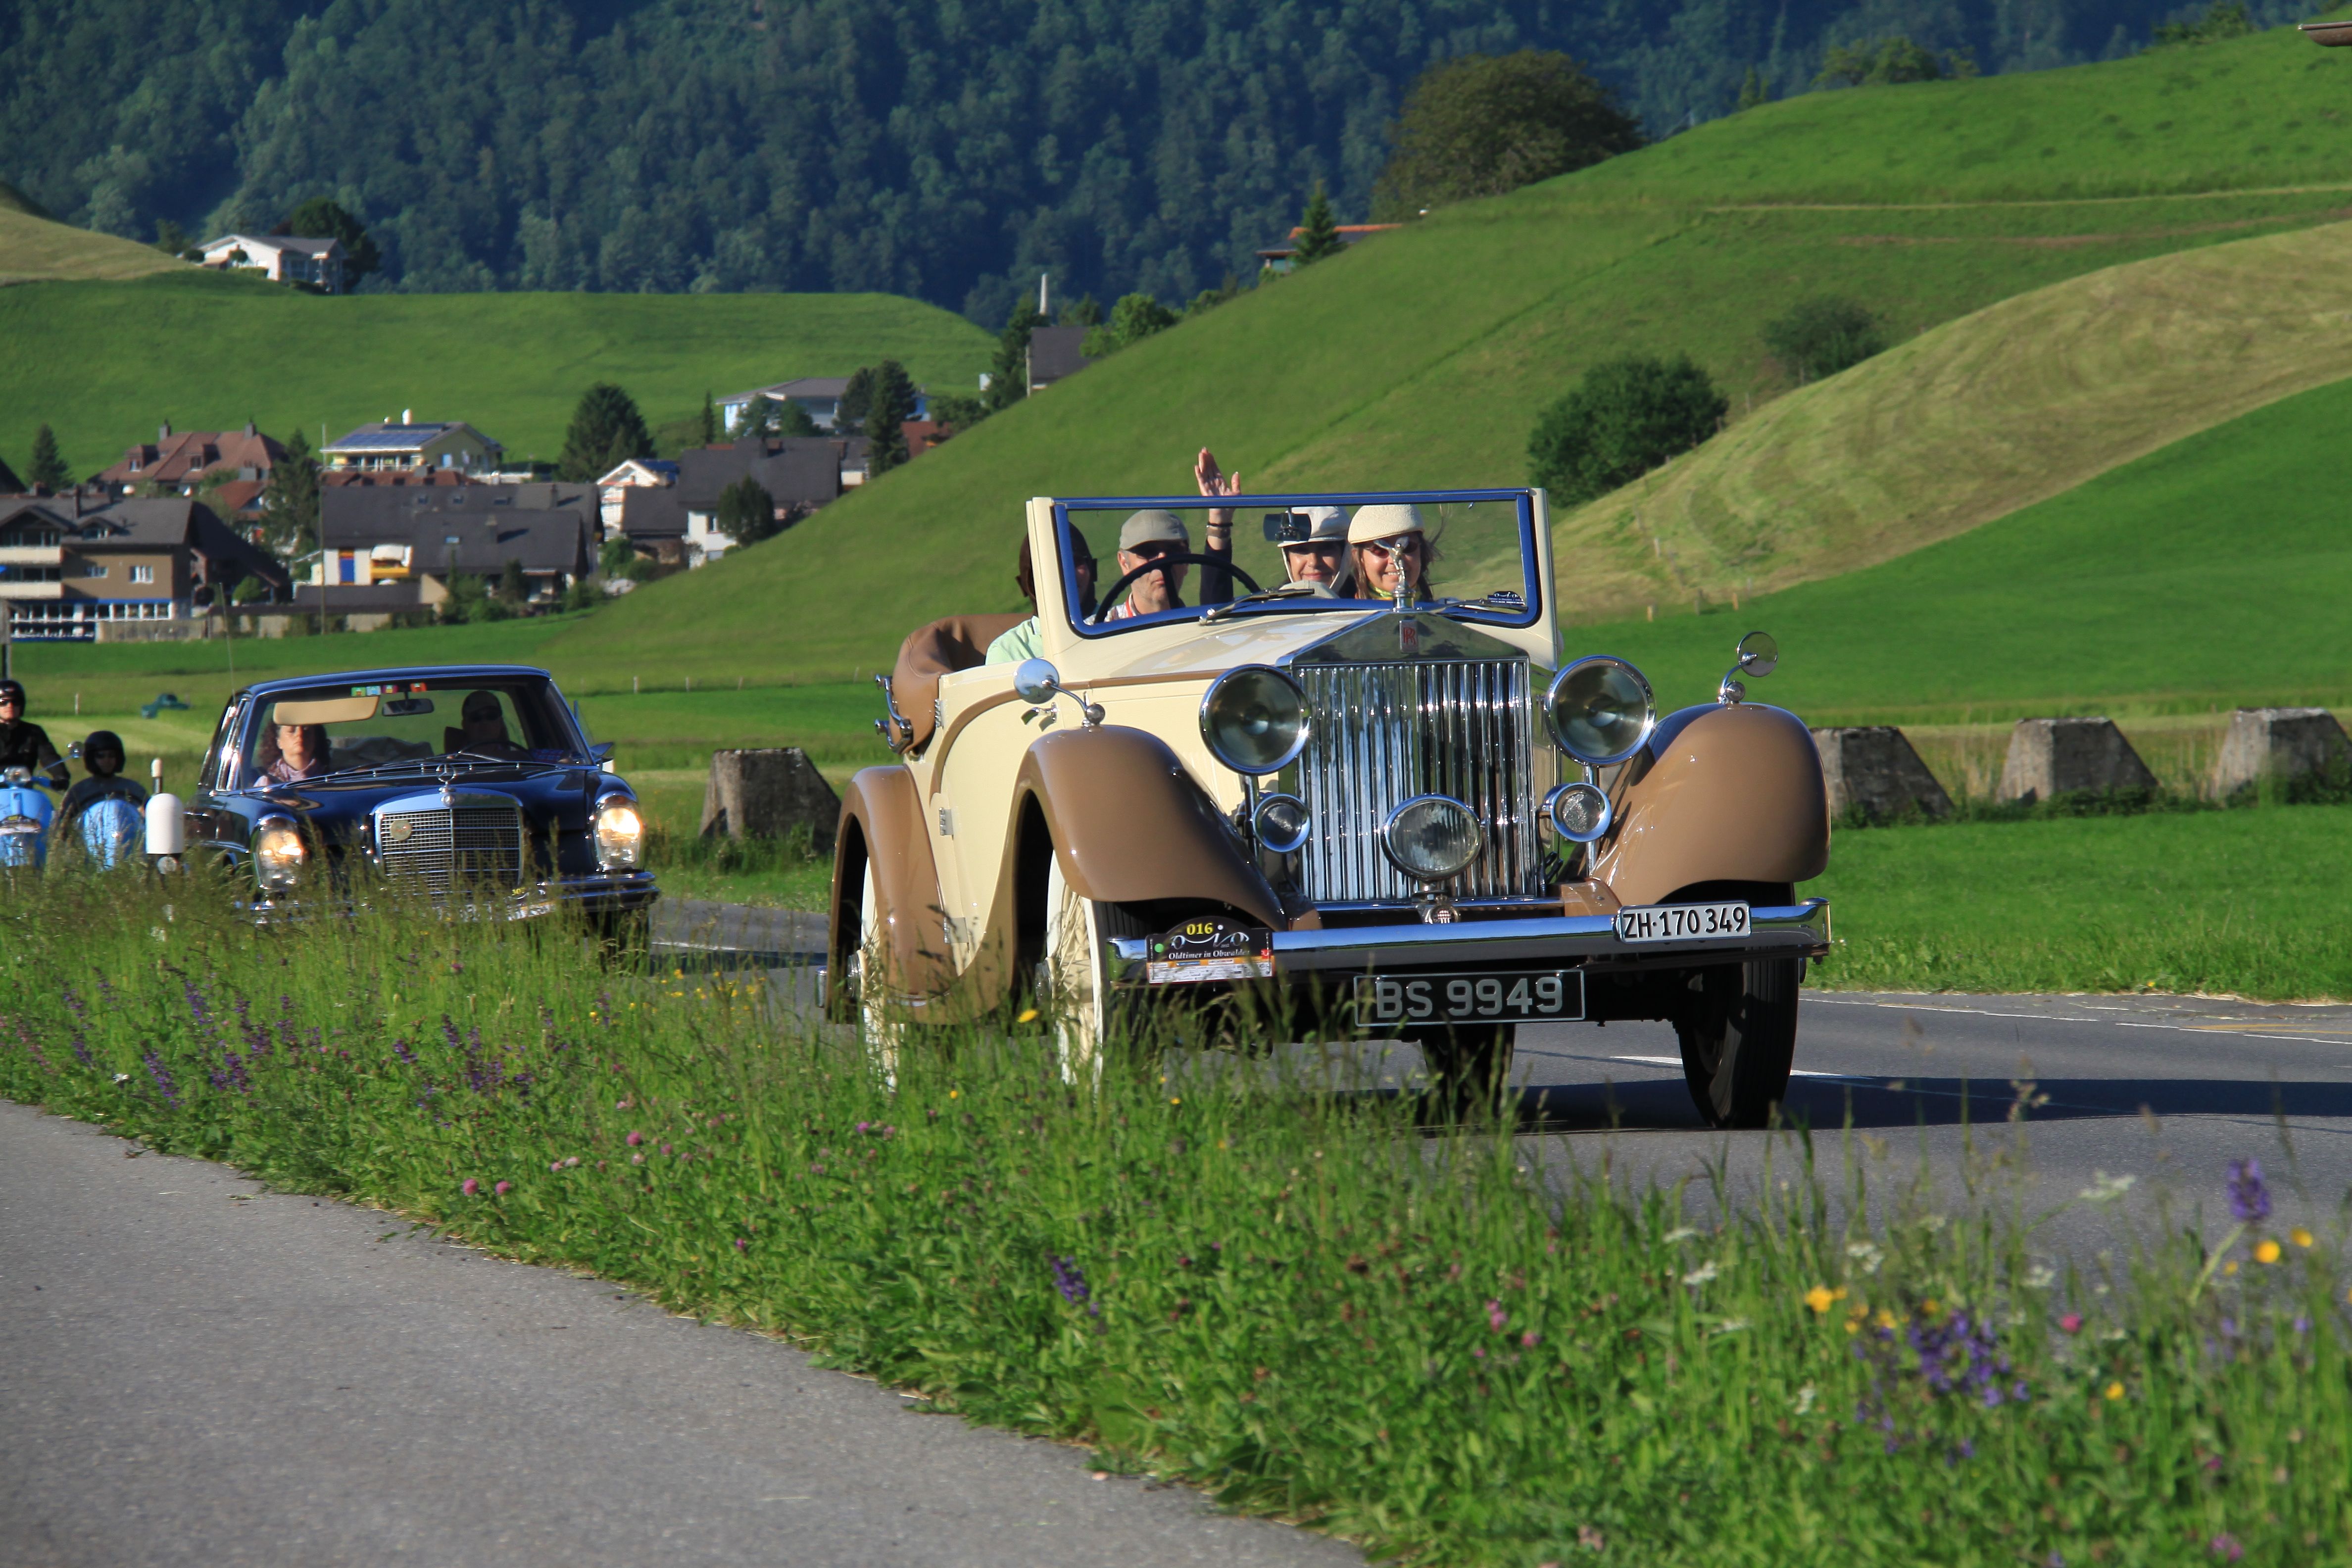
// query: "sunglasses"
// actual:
[[1410, 544]]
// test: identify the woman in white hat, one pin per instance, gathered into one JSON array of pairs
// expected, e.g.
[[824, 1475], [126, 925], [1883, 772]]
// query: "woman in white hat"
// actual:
[[1387, 549]]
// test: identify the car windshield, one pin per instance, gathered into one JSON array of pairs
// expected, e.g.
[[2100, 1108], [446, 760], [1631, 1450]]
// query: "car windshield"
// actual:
[[1147, 561], [331, 729]]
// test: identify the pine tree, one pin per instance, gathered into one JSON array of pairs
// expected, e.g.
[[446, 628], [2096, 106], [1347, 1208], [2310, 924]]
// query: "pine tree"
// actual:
[[1318, 231], [791, 419], [892, 405], [747, 512], [1751, 90], [511, 586], [758, 420], [709, 421], [49, 470], [291, 500], [857, 399], [606, 429]]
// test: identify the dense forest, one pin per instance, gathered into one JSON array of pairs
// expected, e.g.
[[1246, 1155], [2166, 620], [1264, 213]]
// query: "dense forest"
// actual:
[[945, 149]]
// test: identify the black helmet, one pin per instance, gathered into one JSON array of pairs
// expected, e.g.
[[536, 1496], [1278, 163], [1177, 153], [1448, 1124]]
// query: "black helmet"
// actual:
[[15, 688], [103, 741]]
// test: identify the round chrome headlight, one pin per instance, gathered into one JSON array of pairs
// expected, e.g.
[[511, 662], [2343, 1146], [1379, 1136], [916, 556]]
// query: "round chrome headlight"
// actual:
[[1430, 837], [1282, 822], [1601, 710], [1255, 719], [1579, 811], [620, 833], [278, 853]]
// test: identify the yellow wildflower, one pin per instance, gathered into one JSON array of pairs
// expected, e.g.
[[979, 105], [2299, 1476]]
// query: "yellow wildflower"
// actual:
[[2230, 1267], [1177, 1100], [1885, 1320], [1028, 1015], [2267, 1251], [1820, 1297], [2115, 1391], [2299, 1236]]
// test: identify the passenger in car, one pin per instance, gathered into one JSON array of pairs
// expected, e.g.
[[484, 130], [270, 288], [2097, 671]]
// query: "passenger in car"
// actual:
[[484, 732], [1143, 538], [1021, 641], [1388, 546], [1322, 555], [292, 752]]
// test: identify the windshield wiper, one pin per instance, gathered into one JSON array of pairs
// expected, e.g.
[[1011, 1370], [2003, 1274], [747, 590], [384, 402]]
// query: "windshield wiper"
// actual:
[[1285, 591]]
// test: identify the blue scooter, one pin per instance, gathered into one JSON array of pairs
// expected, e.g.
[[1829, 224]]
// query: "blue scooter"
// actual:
[[24, 817], [109, 831]]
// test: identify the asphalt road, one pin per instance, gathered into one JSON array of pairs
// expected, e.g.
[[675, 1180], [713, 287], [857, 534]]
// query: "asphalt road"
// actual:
[[2166, 1091], [194, 1371]]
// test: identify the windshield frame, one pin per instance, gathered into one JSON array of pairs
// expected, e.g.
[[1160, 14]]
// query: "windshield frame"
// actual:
[[237, 761], [1534, 591]]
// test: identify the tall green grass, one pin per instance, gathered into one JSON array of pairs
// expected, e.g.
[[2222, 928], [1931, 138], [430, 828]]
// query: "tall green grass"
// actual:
[[2245, 902], [1293, 1297]]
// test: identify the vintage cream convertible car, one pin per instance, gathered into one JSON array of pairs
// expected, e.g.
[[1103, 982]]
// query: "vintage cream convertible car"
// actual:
[[1416, 815]]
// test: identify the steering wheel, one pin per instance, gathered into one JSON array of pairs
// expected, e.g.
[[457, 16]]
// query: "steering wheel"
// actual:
[[1117, 593]]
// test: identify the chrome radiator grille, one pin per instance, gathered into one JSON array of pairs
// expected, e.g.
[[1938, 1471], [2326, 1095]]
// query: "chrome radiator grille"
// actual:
[[434, 849], [1384, 733]]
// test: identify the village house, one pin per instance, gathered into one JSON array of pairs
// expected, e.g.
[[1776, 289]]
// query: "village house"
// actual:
[[281, 259], [1055, 353], [129, 570], [183, 459], [407, 445], [820, 395], [390, 550]]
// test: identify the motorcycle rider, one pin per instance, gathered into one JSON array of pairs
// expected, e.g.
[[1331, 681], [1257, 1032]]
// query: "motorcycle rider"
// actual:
[[24, 744], [103, 756]]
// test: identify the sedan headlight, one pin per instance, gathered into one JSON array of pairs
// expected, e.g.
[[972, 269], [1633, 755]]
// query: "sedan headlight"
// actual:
[[1255, 719], [277, 854], [1601, 710], [1431, 837], [620, 833]]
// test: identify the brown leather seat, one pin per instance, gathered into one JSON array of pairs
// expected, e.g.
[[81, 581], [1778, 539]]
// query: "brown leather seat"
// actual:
[[953, 642]]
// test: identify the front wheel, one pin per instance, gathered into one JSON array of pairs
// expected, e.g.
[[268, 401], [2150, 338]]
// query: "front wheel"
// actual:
[[1738, 1036]]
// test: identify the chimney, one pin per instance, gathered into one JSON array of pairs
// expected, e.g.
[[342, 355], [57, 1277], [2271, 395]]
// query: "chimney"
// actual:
[[409, 416], [164, 433], [249, 431]]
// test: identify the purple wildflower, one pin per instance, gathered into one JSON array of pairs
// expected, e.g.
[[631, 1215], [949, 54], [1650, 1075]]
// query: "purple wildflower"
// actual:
[[634, 1139], [2250, 1200], [503, 1188], [741, 1245], [400, 1048], [1529, 1340], [2225, 1546], [1496, 1316], [2302, 1324], [163, 1083], [1071, 1282]]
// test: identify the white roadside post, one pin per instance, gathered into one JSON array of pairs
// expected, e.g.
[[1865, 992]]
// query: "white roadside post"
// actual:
[[167, 825]]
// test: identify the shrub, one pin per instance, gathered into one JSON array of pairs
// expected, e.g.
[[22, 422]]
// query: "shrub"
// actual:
[[1822, 336], [1135, 317], [1624, 418], [1484, 124], [747, 512], [1885, 62]]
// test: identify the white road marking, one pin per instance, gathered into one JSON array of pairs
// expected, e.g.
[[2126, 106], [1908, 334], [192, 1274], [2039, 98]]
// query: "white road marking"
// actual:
[[2240, 1028]]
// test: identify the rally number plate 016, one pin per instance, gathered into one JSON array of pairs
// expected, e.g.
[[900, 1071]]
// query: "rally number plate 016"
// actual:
[[1554, 995], [1681, 923]]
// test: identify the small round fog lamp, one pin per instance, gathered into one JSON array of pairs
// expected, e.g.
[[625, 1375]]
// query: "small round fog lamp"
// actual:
[[1601, 710], [277, 854], [1430, 837], [1255, 719], [1282, 822], [1579, 811]]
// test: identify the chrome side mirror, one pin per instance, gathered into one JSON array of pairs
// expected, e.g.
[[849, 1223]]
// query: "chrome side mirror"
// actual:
[[1037, 682], [1758, 654]]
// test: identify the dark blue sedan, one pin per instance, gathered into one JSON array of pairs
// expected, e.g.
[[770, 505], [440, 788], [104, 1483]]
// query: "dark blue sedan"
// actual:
[[473, 784]]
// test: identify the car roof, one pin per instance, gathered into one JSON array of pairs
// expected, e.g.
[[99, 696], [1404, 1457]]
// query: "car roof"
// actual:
[[434, 672]]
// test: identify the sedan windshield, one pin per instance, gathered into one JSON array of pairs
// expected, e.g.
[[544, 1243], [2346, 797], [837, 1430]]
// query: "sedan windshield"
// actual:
[[318, 731], [1148, 561]]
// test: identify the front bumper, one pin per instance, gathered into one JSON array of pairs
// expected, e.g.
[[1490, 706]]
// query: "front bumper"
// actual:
[[597, 895], [1587, 941]]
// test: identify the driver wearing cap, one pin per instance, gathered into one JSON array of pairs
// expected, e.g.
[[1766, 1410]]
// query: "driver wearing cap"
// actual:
[[1145, 538], [24, 744], [1389, 554]]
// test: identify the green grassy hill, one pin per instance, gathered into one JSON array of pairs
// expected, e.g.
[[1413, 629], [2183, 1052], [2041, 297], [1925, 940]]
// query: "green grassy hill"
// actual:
[[1966, 423], [1421, 357], [2212, 574], [34, 247], [103, 363]]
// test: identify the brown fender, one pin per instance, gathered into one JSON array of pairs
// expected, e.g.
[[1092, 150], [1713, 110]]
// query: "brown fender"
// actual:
[[880, 813], [1130, 825], [1733, 796]]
